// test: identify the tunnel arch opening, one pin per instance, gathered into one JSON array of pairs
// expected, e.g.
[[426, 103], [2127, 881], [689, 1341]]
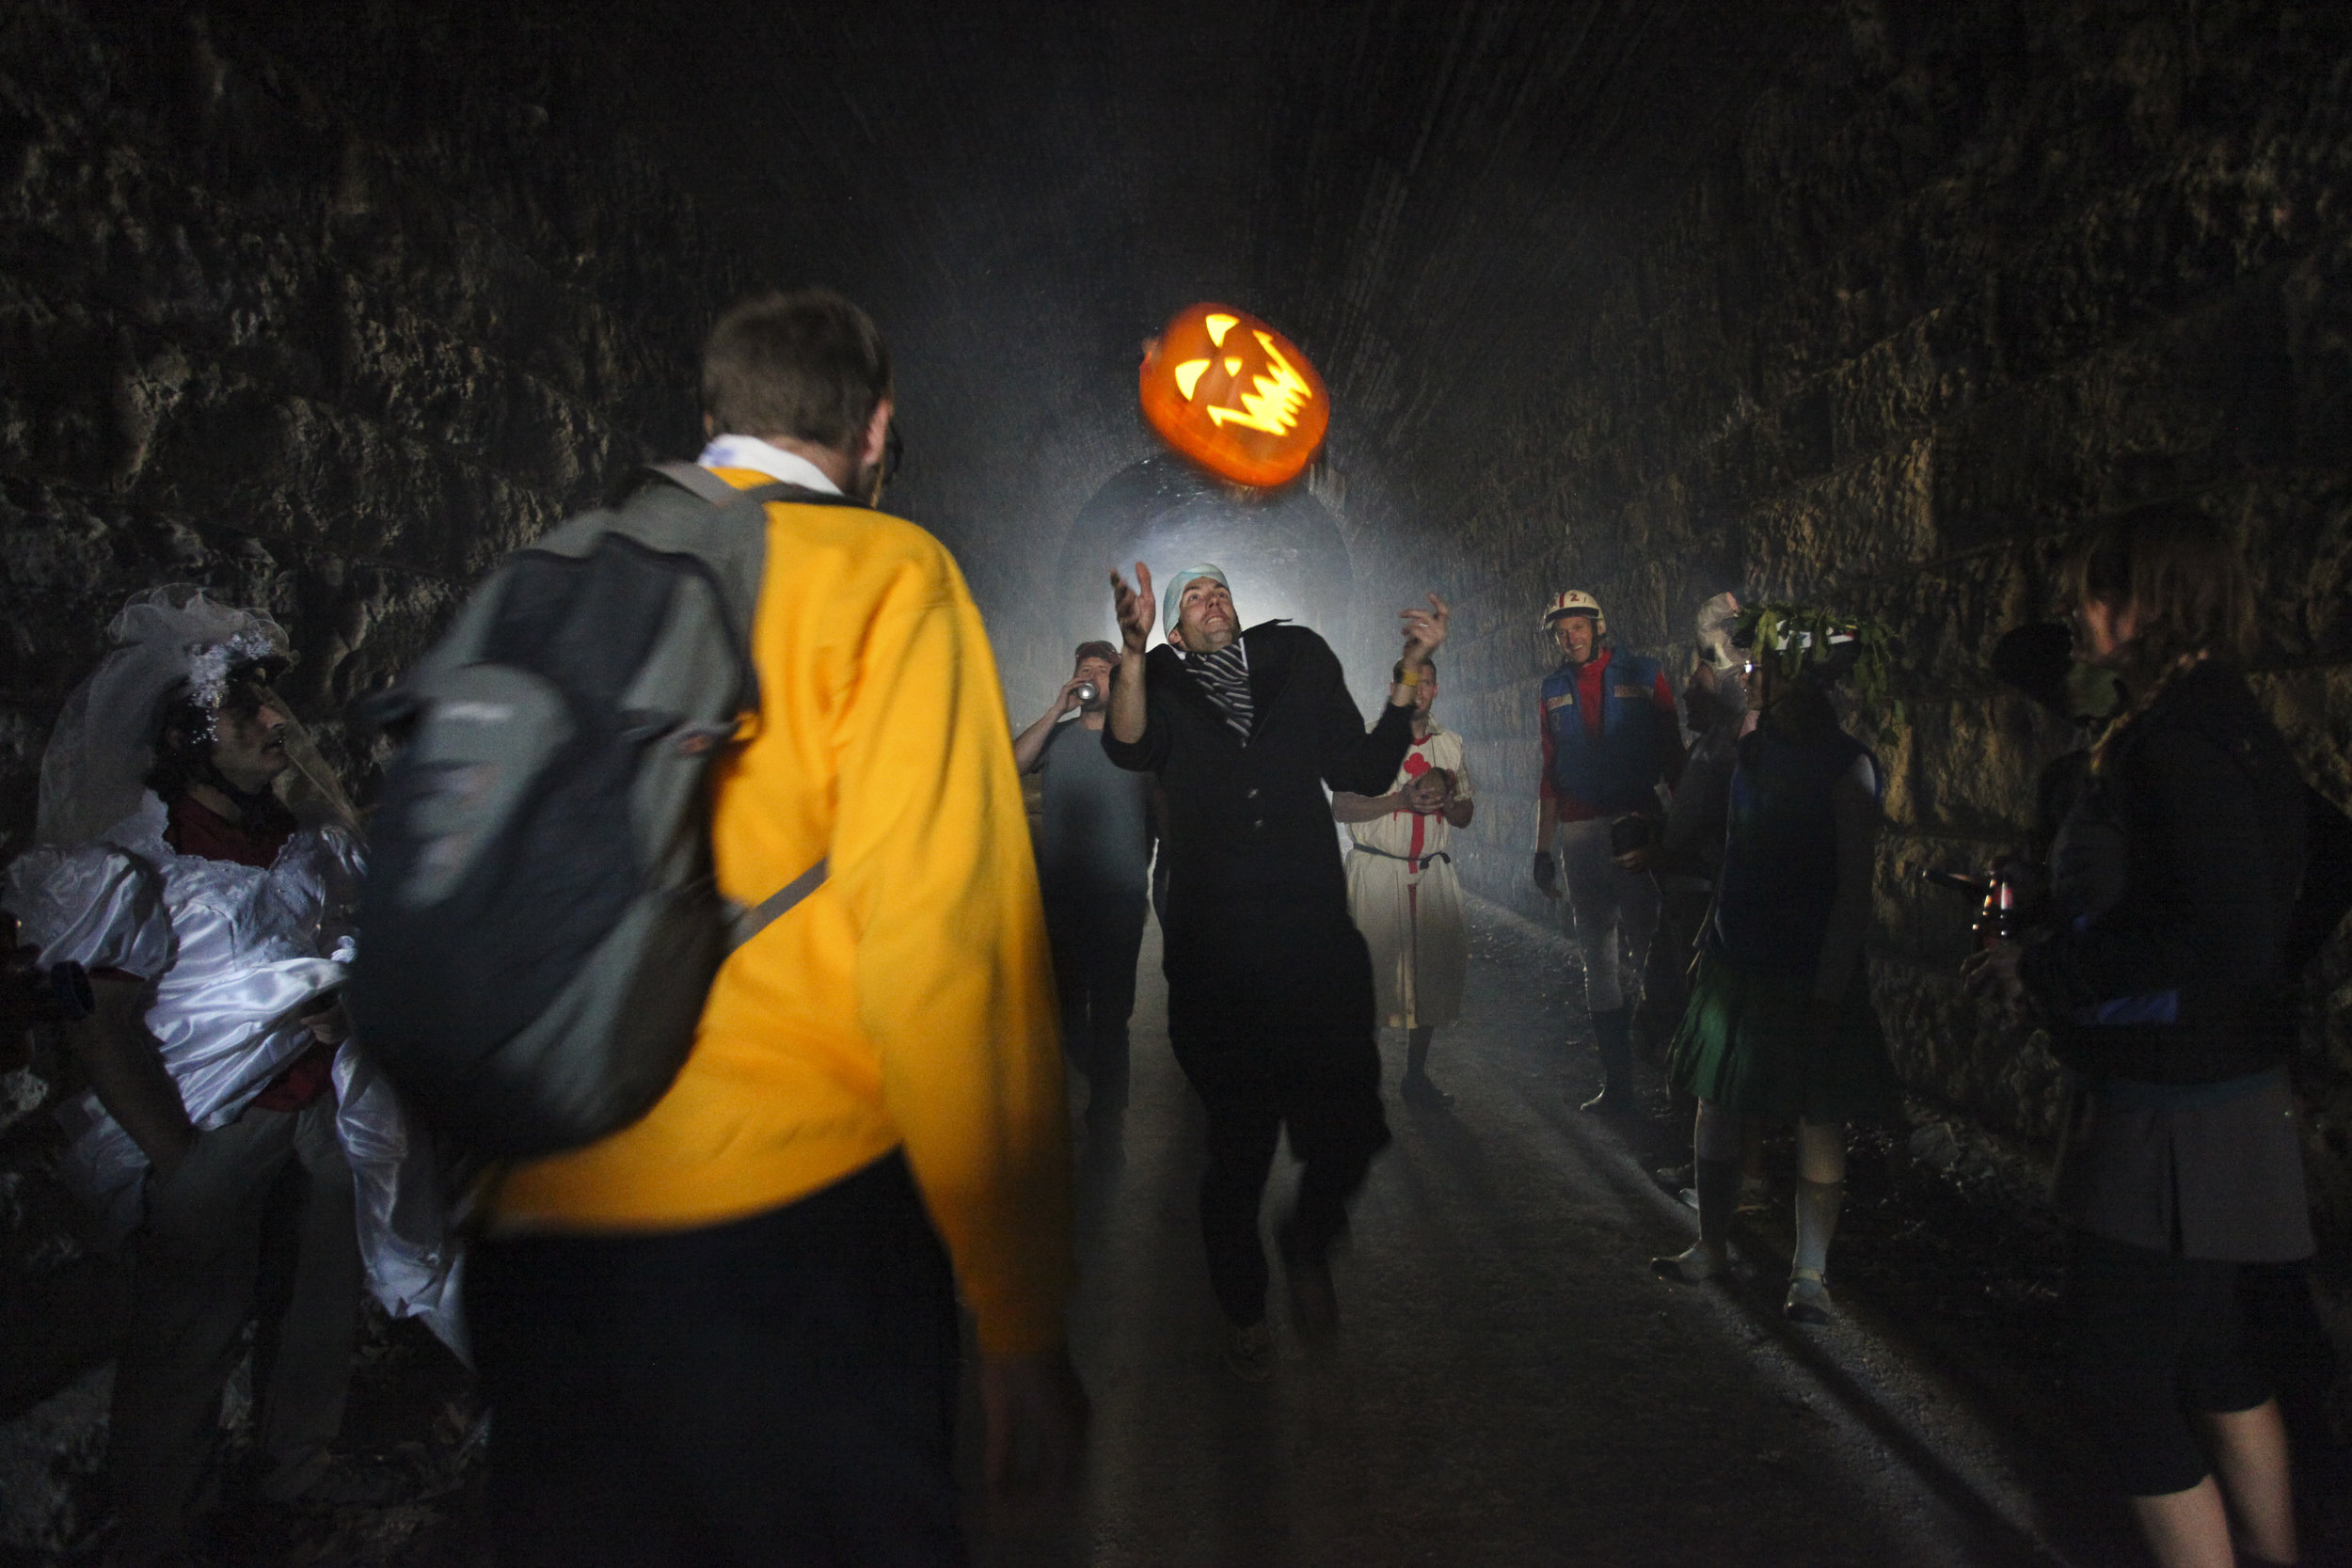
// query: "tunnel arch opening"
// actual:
[[1283, 550]]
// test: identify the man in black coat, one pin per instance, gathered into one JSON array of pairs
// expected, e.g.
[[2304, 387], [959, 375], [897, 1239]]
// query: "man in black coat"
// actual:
[[1269, 985]]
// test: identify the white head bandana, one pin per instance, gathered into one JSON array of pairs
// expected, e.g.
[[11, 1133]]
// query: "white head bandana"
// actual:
[[1172, 596]]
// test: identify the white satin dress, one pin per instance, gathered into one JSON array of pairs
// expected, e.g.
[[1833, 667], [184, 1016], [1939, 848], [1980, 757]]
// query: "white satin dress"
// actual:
[[237, 954]]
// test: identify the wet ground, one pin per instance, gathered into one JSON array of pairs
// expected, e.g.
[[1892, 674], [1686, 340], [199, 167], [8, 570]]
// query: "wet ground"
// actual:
[[1511, 1385]]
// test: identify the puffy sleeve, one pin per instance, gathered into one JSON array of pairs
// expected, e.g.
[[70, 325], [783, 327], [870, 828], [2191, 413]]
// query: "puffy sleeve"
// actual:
[[93, 905]]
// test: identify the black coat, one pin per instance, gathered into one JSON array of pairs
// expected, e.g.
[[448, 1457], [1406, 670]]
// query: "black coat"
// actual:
[[1257, 934], [2177, 871]]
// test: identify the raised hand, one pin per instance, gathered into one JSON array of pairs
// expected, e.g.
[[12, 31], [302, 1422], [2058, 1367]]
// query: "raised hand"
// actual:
[[1424, 632], [1134, 608]]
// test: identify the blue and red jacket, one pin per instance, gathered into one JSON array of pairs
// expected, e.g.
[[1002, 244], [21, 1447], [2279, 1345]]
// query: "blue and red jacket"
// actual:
[[1610, 734]]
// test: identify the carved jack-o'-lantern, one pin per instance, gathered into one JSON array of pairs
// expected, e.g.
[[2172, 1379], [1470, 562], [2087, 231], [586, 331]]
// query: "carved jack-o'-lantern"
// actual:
[[1234, 395]]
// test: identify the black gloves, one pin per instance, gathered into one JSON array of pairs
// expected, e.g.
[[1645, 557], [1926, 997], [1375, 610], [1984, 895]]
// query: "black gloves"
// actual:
[[1546, 879]]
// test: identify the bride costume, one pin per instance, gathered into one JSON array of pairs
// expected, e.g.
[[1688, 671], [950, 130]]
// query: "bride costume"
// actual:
[[237, 954]]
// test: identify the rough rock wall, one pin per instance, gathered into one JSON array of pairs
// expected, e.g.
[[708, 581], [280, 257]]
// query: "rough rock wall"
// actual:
[[1972, 278], [326, 308]]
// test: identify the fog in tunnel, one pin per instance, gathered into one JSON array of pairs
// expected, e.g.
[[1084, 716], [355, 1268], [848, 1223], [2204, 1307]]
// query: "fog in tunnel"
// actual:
[[1022, 195], [1282, 550], [329, 305]]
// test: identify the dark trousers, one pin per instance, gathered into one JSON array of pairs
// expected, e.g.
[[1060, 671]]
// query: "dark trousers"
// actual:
[[2156, 1338], [1273, 1025], [203, 1264], [1096, 934], [780, 1390]]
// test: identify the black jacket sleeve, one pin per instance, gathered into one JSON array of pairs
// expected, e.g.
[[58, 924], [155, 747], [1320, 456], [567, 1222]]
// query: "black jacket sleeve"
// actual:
[[2200, 907], [1354, 759]]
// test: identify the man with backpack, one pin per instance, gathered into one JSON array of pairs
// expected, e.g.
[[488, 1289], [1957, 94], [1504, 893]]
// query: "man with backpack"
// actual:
[[728, 1331]]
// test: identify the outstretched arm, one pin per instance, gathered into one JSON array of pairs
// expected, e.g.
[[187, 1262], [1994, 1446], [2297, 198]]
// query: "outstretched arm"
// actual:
[[1348, 806], [1362, 761], [1129, 712]]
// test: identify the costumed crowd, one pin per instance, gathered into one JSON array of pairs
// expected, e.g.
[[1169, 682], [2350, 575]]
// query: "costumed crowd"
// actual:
[[712, 1293]]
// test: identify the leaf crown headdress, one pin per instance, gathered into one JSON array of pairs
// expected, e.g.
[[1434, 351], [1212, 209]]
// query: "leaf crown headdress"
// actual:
[[1810, 642]]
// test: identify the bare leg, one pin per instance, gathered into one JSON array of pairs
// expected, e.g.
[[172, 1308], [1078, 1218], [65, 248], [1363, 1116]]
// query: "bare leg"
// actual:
[[2249, 1452], [2186, 1530]]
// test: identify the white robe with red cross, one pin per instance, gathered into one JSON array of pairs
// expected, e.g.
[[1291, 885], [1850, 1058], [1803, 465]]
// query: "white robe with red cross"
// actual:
[[1410, 906]]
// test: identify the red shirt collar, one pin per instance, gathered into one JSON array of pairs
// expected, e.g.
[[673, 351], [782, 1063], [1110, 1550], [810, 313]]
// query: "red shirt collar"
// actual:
[[194, 829]]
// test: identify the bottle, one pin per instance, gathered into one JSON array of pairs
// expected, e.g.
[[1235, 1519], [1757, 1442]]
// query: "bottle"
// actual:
[[1996, 901], [1996, 918]]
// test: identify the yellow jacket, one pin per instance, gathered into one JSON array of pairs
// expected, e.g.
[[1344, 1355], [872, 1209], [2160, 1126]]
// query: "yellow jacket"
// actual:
[[908, 1001]]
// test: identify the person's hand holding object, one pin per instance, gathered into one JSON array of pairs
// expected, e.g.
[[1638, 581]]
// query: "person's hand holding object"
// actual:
[[1994, 972]]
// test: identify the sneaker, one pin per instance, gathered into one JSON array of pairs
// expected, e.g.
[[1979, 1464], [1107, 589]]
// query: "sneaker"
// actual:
[[1416, 1089], [1694, 1265], [1610, 1102], [1249, 1352], [1808, 1299], [1315, 1305]]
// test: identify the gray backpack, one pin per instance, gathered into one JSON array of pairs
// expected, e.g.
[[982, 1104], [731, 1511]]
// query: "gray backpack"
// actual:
[[539, 925]]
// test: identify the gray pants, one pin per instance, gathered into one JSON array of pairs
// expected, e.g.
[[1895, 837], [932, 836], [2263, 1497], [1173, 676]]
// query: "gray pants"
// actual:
[[196, 1263], [1615, 911]]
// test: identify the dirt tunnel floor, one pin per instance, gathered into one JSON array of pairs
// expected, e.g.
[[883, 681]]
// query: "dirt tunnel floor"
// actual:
[[1511, 1385]]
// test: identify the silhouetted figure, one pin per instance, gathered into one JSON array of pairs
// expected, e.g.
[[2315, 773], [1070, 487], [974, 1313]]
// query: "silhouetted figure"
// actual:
[[1609, 733], [1780, 1026], [1093, 858], [1269, 987], [2173, 883], [1690, 847], [1402, 891]]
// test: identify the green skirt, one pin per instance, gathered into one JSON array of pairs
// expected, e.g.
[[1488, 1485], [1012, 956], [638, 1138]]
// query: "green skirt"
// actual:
[[1743, 1045]]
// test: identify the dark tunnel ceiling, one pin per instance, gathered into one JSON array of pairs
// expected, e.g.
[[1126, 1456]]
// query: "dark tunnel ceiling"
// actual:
[[1021, 193]]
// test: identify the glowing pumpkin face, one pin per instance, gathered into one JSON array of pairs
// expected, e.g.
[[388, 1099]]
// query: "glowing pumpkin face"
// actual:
[[1234, 395]]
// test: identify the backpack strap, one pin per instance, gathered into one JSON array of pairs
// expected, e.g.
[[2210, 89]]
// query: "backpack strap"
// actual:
[[745, 924], [701, 482]]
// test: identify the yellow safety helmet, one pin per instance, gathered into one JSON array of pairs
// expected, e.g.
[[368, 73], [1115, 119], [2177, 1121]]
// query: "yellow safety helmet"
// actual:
[[1572, 601]]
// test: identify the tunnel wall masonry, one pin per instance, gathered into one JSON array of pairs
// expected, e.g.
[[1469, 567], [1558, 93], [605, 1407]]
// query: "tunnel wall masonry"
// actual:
[[324, 310], [1979, 277]]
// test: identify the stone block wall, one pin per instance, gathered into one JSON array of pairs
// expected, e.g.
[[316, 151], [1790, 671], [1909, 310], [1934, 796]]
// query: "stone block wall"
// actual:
[[1973, 275], [325, 308]]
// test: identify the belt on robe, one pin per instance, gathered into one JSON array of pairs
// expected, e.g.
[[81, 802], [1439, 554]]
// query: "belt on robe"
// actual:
[[1414, 863]]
